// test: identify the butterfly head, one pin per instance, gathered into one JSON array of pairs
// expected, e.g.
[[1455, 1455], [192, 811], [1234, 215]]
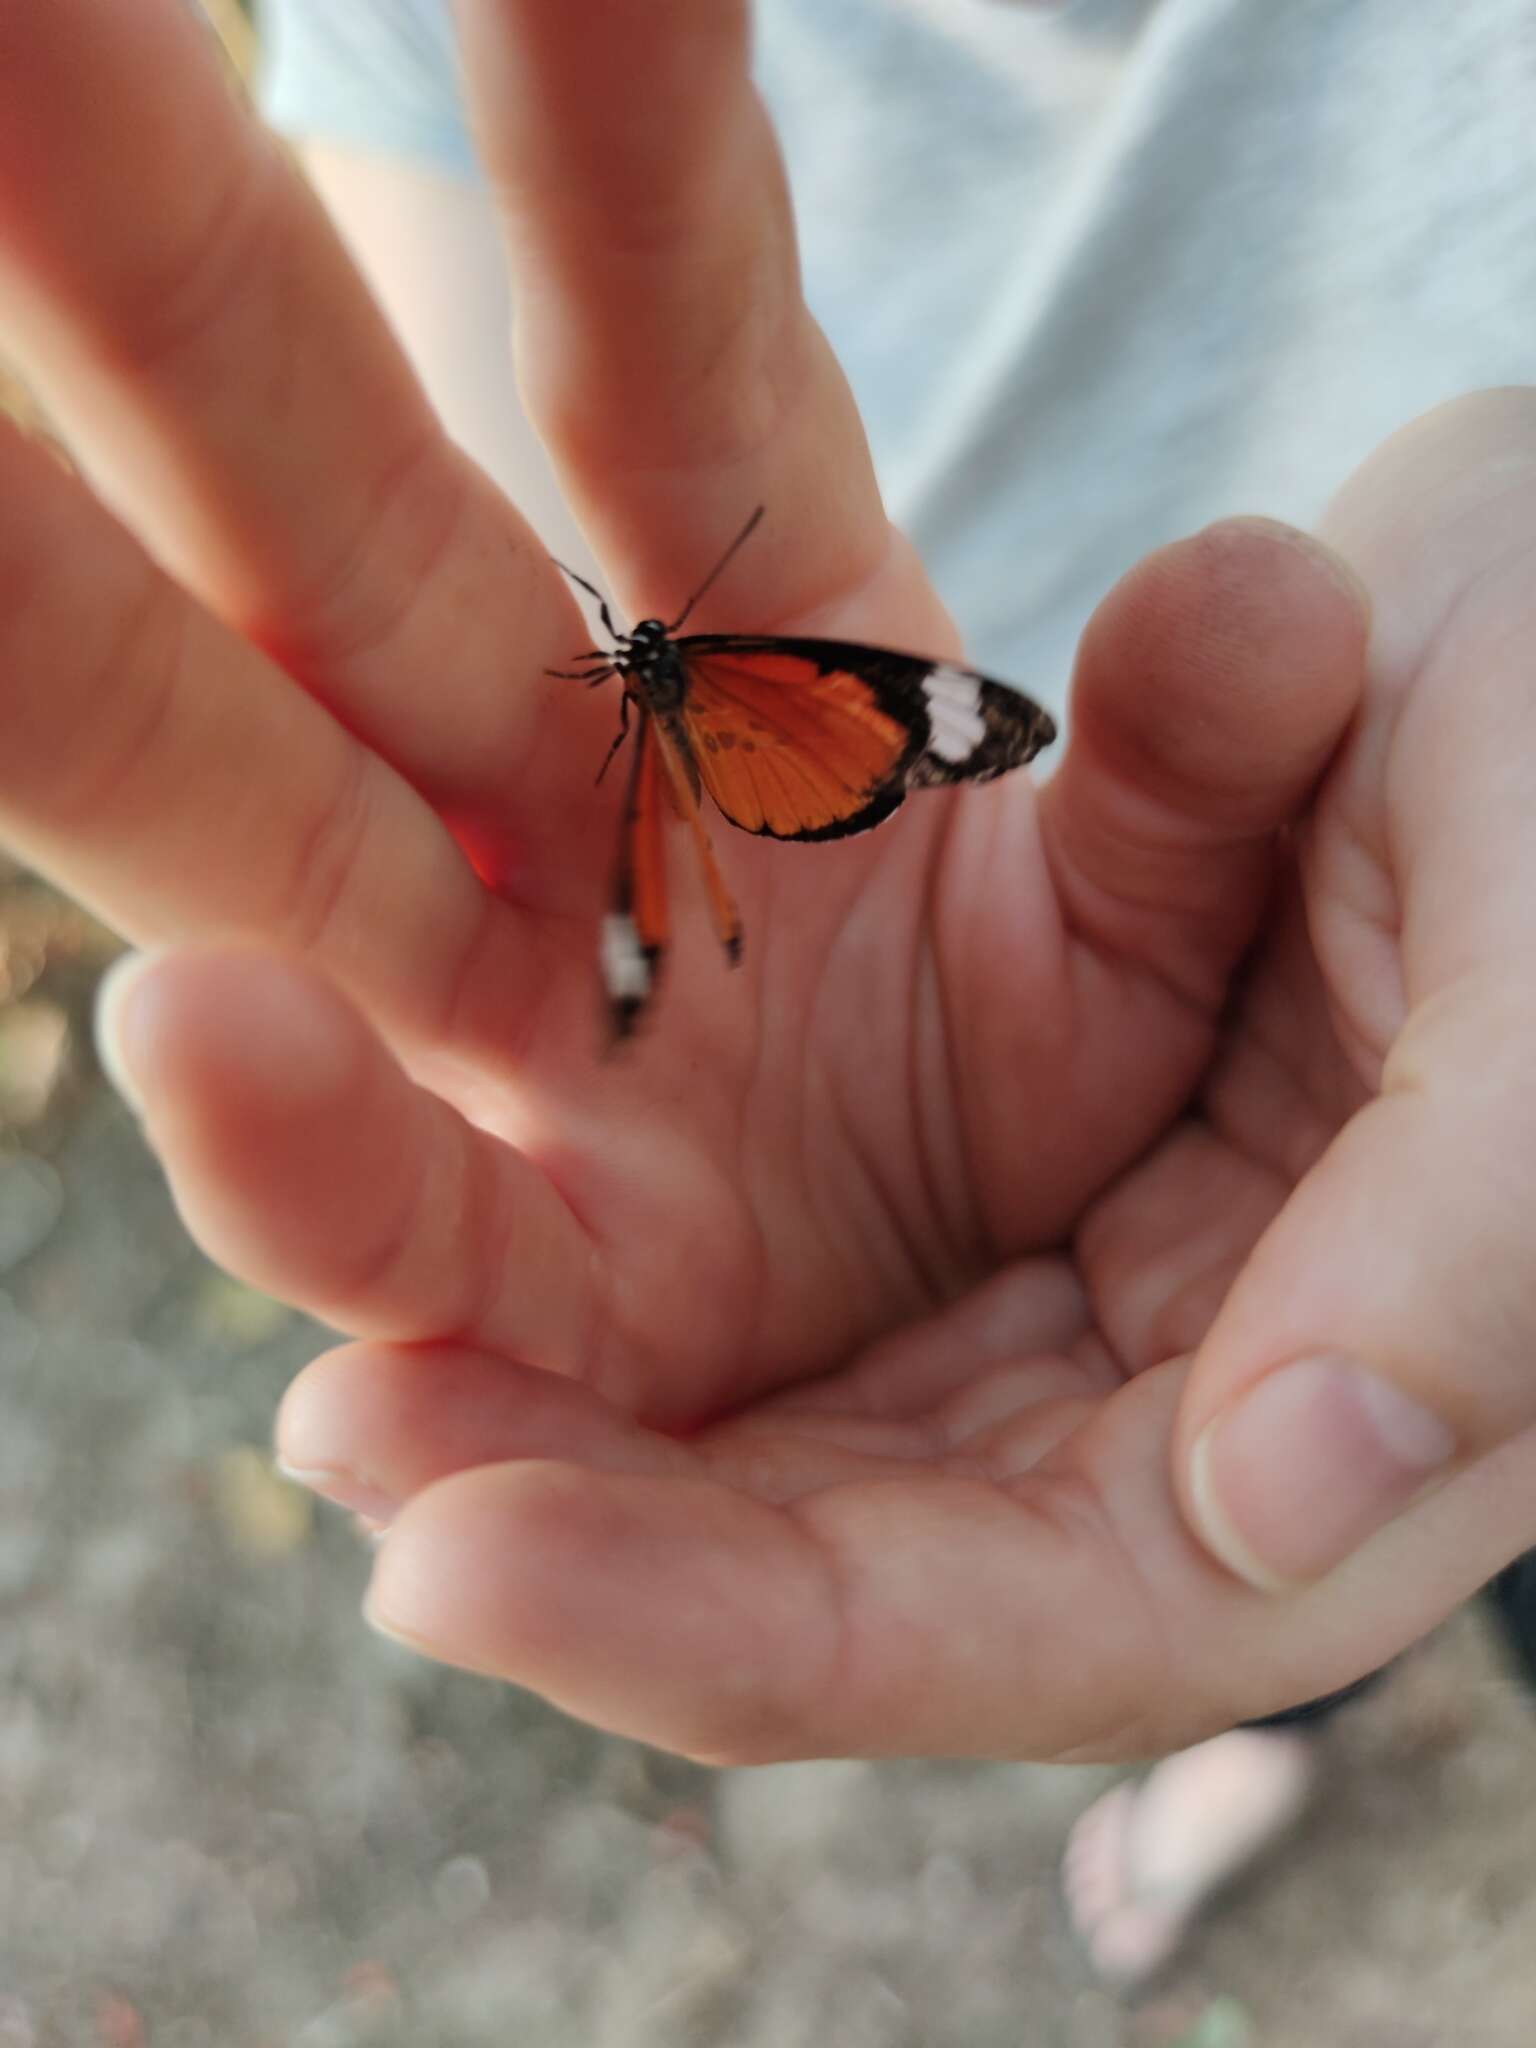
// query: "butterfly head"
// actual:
[[648, 653], [644, 645], [651, 665]]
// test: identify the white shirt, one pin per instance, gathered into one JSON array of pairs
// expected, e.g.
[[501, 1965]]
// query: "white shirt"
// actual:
[[1102, 271]]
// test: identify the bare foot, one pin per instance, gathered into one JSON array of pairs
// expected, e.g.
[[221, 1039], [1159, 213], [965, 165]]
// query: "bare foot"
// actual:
[[1147, 1856]]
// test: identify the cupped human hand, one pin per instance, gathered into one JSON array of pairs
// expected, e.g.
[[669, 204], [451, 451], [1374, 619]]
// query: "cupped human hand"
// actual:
[[1258, 1424], [805, 1379]]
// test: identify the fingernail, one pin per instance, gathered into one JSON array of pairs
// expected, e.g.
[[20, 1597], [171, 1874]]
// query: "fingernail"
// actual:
[[1333, 564], [114, 1032], [345, 1489], [383, 1626], [377, 1608], [1318, 1457]]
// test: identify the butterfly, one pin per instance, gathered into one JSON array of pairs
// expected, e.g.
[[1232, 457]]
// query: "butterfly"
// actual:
[[793, 739]]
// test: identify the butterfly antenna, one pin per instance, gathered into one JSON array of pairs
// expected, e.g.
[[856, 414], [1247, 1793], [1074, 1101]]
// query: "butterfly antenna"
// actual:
[[714, 573], [592, 591]]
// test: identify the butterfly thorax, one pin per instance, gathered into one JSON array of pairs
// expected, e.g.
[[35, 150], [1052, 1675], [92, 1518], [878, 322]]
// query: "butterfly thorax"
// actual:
[[650, 664]]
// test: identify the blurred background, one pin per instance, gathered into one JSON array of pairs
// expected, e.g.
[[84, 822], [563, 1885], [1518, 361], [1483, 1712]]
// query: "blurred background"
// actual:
[[230, 1817]]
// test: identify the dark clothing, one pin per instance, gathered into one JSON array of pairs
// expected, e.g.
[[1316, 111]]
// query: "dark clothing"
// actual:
[[1512, 1596]]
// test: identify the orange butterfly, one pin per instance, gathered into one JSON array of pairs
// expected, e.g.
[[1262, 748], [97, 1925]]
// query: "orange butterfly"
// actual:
[[793, 738]]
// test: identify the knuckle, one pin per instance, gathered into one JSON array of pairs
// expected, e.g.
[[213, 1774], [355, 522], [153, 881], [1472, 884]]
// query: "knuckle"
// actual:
[[316, 888], [404, 529], [125, 712], [225, 256]]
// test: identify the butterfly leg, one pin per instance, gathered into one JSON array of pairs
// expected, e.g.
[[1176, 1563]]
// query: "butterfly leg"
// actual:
[[619, 739], [722, 908], [591, 677]]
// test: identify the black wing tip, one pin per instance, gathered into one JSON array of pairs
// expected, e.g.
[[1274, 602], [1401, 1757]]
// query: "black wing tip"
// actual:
[[626, 1014], [1034, 727], [1016, 730], [630, 971], [624, 1019]]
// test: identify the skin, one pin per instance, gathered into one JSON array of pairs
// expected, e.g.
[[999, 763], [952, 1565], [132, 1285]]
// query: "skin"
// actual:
[[857, 1365]]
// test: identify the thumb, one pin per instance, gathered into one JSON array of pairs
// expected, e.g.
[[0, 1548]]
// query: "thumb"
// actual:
[[1380, 1338], [1212, 686]]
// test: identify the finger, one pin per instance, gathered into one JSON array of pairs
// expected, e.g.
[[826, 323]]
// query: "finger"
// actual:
[[675, 1610], [178, 297], [917, 1615], [370, 1425], [170, 776], [302, 1158], [1212, 686], [1033, 1306], [1067, 1617], [1160, 1251], [663, 345], [1379, 1340]]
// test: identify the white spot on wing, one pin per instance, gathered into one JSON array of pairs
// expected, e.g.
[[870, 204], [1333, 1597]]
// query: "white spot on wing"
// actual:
[[956, 726], [626, 971]]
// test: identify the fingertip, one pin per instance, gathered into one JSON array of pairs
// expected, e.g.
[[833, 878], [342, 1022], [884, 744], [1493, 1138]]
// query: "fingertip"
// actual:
[[1215, 1527], [114, 994], [672, 1610], [470, 1571], [1308, 549], [330, 1426], [1213, 686], [398, 1418], [183, 1022], [1227, 662], [282, 1122], [374, 1509], [1298, 1472]]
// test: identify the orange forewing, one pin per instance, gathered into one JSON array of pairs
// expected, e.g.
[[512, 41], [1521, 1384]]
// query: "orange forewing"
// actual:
[[783, 748]]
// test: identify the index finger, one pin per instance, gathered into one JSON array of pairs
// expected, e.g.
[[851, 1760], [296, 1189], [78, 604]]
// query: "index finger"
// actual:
[[664, 346]]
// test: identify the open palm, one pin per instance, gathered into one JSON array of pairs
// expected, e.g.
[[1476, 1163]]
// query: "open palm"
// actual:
[[787, 1382]]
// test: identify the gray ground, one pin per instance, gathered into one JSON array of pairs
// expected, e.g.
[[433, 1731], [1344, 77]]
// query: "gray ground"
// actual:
[[230, 1815]]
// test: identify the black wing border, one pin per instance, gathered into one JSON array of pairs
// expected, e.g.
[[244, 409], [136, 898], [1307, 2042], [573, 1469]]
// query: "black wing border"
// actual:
[[1016, 727]]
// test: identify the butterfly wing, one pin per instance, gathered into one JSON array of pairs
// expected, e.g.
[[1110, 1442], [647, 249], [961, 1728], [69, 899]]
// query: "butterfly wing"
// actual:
[[637, 929], [638, 925], [676, 769], [816, 739]]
